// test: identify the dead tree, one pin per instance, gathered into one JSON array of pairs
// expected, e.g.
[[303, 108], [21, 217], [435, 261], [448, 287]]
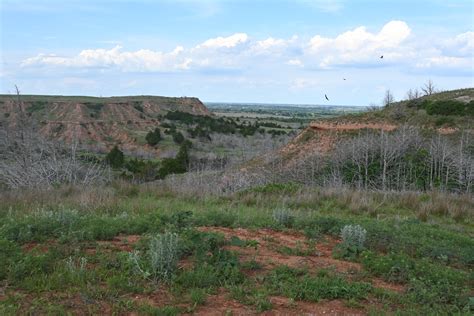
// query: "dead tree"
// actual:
[[27, 159], [388, 98], [428, 88], [413, 94]]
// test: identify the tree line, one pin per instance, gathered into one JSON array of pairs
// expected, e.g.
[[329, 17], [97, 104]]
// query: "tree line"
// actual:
[[405, 159]]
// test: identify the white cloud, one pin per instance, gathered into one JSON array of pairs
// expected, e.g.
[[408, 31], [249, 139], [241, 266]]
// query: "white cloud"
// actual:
[[445, 62], [359, 45], [272, 46], [225, 42], [356, 48], [269, 43], [461, 45], [140, 60]]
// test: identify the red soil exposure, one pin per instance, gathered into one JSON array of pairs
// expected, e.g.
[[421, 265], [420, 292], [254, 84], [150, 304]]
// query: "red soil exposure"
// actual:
[[268, 256], [221, 304], [267, 253], [321, 137], [40, 247], [121, 242], [285, 306], [109, 122], [159, 298], [352, 126]]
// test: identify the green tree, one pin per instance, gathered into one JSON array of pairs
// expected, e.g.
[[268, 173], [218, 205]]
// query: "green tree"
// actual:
[[178, 137], [115, 158], [179, 164], [153, 137]]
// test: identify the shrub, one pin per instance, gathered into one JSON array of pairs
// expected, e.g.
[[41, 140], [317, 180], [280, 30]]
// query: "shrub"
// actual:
[[283, 217], [163, 255], [279, 188], [178, 138], [138, 106], [353, 236], [446, 107], [178, 164], [353, 239], [153, 137], [115, 158]]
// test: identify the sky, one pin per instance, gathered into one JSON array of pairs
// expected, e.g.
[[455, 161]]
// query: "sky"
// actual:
[[294, 51]]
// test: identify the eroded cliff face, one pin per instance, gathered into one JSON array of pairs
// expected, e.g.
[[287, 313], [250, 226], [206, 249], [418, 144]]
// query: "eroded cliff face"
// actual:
[[99, 123], [321, 137]]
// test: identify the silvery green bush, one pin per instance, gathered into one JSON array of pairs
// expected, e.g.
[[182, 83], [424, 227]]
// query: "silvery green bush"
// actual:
[[161, 260], [353, 236], [283, 216]]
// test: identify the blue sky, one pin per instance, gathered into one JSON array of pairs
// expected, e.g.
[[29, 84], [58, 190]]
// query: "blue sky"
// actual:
[[238, 51]]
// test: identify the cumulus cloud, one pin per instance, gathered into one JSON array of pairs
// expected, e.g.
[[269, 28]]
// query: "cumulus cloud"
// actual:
[[461, 45], [358, 45], [140, 60], [358, 48], [225, 42], [272, 46]]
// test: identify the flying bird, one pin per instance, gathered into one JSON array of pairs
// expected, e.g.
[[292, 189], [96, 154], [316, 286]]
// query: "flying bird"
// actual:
[[344, 78], [326, 97], [381, 57]]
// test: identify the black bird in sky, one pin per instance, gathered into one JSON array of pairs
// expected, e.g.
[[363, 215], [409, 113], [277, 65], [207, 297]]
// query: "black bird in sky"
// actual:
[[326, 97], [381, 57], [344, 78]]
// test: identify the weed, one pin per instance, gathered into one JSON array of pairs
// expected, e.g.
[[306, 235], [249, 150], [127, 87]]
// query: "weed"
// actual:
[[198, 296], [283, 217], [251, 265], [162, 258], [353, 239], [299, 285], [353, 236]]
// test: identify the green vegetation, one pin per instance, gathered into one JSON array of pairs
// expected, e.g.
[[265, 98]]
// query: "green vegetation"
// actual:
[[124, 246], [115, 158], [203, 125], [138, 105], [37, 106], [179, 164], [443, 107], [153, 137], [178, 138], [94, 107], [162, 248]]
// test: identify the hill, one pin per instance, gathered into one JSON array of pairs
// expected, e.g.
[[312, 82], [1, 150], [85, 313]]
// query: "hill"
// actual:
[[99, 122], [448, 112]]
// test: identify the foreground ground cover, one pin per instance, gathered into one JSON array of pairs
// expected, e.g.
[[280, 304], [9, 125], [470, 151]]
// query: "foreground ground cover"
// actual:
[[277, 249]]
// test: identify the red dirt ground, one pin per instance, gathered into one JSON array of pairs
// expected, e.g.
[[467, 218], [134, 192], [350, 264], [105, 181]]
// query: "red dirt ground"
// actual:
[[268, 254], [319, 257]]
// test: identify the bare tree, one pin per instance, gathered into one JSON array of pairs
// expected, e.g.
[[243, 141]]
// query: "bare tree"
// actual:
[[388, 98], [27, 159], [428, 88], [413, 94]]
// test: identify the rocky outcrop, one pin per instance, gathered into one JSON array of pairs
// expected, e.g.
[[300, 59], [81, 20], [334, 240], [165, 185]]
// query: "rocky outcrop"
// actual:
[[99, 122]]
